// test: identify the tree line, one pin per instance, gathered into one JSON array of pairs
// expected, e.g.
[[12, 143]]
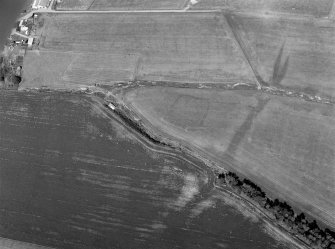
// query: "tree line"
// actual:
[[297, 224]]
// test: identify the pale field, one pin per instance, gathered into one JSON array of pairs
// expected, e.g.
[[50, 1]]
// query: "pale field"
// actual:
[[284, 145], [179, 47], [316, 8], [307, 44], [120, 4]]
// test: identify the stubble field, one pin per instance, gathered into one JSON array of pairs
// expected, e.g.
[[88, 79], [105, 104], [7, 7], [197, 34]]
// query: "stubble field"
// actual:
[[284, 145], [192, 47]]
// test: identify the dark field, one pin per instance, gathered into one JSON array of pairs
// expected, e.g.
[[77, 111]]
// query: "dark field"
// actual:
[[72, 177]]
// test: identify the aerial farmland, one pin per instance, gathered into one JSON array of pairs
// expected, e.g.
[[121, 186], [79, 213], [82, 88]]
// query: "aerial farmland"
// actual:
[[171, 47], [169, 124]]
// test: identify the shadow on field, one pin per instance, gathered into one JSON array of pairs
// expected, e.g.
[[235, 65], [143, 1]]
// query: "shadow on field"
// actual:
[[242, 131], [279, 68]]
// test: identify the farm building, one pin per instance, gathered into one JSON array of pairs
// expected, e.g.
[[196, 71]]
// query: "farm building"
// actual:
[[40, 4]]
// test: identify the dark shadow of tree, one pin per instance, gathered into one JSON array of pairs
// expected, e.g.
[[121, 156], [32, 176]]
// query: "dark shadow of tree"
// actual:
[[279, 68]]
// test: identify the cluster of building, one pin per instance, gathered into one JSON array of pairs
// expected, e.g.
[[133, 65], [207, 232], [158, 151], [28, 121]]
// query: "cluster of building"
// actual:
[[11, 60], [21, 39]]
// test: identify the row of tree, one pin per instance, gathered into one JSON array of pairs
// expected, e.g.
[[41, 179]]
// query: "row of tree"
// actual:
[[298, 225]]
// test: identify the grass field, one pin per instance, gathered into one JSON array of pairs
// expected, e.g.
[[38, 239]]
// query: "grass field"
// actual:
[[120, 4], [192, 47], [285, 145], [305, 7], [306, 44]]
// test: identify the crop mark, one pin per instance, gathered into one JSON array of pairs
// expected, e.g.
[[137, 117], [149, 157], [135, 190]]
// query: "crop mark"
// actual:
[[279, 69]]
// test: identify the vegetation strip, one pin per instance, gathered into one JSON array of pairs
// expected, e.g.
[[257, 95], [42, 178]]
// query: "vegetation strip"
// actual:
[[285, 92], [297, 225]]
